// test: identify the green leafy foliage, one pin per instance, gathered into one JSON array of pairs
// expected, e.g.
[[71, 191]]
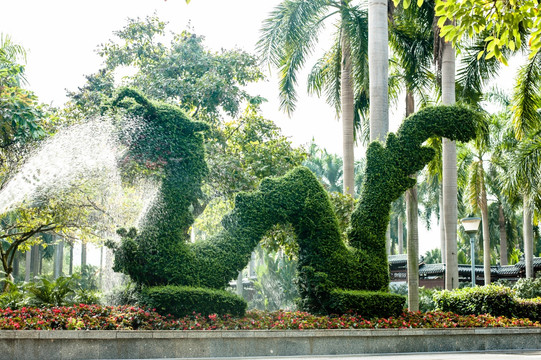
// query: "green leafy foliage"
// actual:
[[125, 294], [14, 295], [528, 288], [367, 304], [496, 300], [426, 296], [503, 23], [202, 82], [180, 301], [51, 292], [275, 286], [161, 255]]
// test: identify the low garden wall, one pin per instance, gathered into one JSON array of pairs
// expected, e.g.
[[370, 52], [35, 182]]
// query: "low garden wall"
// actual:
[[108, 344]]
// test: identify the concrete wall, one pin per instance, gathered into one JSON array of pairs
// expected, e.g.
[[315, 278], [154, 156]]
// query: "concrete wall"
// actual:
[[35, 344]]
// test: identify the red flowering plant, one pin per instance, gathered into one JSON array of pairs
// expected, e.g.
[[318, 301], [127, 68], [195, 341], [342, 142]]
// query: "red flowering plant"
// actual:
[[96, 317]]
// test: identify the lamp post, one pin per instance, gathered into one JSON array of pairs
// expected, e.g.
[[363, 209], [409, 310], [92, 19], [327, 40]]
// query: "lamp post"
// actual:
[[471, 225]]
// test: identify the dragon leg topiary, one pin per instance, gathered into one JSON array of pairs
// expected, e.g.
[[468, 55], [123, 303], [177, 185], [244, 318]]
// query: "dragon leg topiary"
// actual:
[[333, 276]]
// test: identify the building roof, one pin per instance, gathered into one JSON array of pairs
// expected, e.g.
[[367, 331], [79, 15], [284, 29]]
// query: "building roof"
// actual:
[[536, 263], [464, 269], [400, 259]]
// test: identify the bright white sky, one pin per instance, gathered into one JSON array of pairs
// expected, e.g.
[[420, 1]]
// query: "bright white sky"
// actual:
[[61, 37]]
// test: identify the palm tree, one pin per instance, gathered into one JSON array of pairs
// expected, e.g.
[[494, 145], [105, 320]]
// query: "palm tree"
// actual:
[[378, 39], [11, 72], [288, 38], [472, 77], [327, 167], [502, 143], [524, 178], [475, 192], [449, 170], [525, 162], [412, 43]]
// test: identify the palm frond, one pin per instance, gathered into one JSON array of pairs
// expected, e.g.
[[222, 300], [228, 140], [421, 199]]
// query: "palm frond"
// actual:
[[325, 76], [475, 72], [287, 39], [527, 98]]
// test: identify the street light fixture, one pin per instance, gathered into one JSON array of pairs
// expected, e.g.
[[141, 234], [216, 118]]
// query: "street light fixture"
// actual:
[[471, 225]]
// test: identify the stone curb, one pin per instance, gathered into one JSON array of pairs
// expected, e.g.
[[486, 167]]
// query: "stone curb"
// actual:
[[142, 344]]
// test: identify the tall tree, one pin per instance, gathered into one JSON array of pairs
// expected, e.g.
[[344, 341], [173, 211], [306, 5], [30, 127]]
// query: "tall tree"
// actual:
[[449, 176], [476, 193], [525, 162], [411, 39], [378, 57], [288, 38]]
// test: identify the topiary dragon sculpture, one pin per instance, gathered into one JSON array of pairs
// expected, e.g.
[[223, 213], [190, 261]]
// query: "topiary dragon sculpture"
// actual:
[[332, 275]]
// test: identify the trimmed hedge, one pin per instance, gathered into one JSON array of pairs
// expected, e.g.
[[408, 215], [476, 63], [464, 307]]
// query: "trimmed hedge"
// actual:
[[529, 308], [496, 300], [180, 301], [368, 304]]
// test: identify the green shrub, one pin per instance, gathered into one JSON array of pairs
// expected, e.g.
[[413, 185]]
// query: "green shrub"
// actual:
[[368, 304], [528, 288], [426, 299], [127, 294], [183, 300], [529, 308], [85, 296], [15, 297], [496, 300], [57, 292]]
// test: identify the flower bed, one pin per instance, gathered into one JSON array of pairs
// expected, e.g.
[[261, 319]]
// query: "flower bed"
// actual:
[[96, 317]]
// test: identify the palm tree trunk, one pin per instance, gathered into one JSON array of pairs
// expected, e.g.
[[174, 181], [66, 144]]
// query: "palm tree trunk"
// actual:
[[58, 259], [449, 172], [503, 237], [70, 270], [27, 266], [83, 255], [400, 233], [35, 260], [528, 235], [378, 57], [486, 235], [413, 230], [347, 107], [442, 227], [413, 249]]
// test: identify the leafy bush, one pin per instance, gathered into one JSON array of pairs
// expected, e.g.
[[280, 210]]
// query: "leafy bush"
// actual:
[[528, 288], [127, 294], [84, 296], [367, 303], [183, 300], [15, 297], [426, 301], [87, 276], [496, 300], [45, 291]]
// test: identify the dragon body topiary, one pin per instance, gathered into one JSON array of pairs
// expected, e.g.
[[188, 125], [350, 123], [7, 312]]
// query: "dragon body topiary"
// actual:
[[161, 254]]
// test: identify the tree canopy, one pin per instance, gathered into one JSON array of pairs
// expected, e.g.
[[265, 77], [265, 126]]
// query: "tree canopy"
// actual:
[[503, 24]]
